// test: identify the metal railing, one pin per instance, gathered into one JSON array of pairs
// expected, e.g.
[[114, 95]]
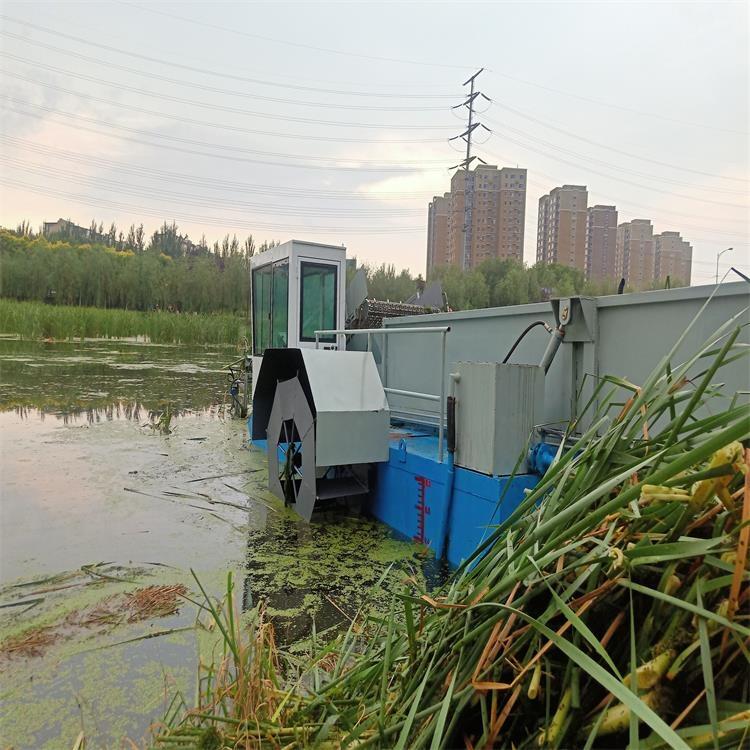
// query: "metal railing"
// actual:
[[385, 332]]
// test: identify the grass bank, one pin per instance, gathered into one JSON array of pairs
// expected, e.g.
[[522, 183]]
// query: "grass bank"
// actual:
[[34, 320]]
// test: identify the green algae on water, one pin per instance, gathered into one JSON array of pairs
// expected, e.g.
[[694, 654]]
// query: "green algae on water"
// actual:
[[324, 571], [109, 682]]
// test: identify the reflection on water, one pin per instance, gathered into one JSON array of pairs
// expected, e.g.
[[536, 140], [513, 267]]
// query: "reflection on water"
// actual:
[[105, 381], [85, 479], [129, 410], [87, 476]]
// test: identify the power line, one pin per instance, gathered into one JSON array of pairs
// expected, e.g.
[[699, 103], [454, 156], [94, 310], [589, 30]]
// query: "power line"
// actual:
[[318, 158], [620, 107], [531, 221], [232, 156], [366, 162], [214, 221], [298, 45], [207, 71], [170, 194], [203, 105], [613, 148], [336, 196], [228, 92], [219, 184], [628, 204], [221, 125], [377, 108], [617, 167], [201, 180], [621, 179]]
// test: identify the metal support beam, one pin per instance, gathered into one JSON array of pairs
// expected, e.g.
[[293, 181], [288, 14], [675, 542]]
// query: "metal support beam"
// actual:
[[441, 426]]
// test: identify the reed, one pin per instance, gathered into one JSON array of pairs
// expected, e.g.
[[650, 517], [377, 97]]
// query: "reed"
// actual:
[[34, 320], [610, 610]]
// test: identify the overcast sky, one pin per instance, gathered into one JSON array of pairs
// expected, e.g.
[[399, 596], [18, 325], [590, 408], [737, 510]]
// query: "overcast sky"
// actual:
[[330, 121]]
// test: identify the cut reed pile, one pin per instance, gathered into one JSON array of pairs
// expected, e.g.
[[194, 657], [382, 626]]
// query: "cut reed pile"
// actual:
[[144, 603], [610, 610]]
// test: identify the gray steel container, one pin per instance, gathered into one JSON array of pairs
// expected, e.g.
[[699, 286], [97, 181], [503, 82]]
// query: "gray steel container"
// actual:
[[497, 407]]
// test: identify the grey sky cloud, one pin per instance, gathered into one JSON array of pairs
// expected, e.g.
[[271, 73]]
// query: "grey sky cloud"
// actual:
[[330, 121]]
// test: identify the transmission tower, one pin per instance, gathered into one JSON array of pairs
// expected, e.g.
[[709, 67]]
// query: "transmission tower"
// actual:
[[472, 125]]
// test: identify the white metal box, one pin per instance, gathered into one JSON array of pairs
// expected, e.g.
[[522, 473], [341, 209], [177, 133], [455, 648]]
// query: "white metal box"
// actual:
[[344, 394], [352, 415], [497, 407]]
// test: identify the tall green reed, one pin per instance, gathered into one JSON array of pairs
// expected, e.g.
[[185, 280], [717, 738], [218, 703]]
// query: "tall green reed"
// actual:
[[35, 320], [605, 612]]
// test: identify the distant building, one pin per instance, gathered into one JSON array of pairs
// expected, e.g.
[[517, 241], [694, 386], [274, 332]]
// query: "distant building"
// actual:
[[673, 257], [64, 228], [562, 227], [437, 231], [170, 243], [635, 253], [601, 242], [498, 217]]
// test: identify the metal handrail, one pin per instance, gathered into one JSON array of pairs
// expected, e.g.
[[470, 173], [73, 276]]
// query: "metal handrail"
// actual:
[[443, 330], [352, 331], [415, 394]]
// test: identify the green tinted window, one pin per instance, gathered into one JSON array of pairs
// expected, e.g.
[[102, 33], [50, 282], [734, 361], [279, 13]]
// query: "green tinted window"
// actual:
[[280, 305], [261, 309], [270, 306], [317, 301]]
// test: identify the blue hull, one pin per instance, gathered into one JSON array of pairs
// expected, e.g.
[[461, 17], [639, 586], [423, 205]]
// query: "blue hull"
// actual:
[[411, 495]]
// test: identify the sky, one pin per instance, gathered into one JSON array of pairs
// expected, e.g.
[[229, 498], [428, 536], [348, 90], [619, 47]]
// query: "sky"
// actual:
[[331, 122]]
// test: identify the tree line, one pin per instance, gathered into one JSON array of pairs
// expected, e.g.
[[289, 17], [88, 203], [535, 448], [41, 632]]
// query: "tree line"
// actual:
[[493, 283], [499, 282], [167, 270], [118, 269]]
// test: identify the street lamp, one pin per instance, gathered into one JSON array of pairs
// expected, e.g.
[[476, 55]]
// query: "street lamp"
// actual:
[[718, 255]]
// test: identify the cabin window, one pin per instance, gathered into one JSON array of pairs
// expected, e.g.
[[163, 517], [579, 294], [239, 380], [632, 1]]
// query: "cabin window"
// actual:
[[270, 306], [317, 301], [280, 305], [261, 308]]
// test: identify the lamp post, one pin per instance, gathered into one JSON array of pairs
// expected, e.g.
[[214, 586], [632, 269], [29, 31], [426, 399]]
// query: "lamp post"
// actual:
[[718, 255]]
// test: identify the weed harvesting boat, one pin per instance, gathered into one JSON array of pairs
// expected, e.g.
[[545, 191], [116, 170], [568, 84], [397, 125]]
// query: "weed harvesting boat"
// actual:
[[606, 609]]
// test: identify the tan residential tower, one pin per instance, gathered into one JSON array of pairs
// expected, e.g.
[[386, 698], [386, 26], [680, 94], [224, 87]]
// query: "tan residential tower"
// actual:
[[601, 243], [673, 258], [498, 217], [562, 227], [634, 260]]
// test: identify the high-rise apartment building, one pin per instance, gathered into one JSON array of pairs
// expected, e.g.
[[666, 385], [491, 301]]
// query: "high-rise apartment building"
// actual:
[[634, 259], [562, 227], [497, 217], [601, 242], [437, 231], [673, 257]]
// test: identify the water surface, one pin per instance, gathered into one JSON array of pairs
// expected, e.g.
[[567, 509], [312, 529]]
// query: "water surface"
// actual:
[[94, 472]]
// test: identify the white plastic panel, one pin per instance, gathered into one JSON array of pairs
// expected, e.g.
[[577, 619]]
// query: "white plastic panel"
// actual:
[[344, 381]]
